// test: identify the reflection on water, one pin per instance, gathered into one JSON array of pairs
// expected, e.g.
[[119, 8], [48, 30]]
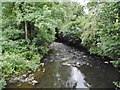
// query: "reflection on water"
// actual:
[[78, 77], [67, 67]]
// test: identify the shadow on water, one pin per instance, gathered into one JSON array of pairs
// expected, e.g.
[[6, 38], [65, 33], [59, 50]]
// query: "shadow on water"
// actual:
[[67, 67]]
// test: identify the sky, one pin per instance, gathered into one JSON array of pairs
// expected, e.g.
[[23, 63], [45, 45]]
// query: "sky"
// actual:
[[82, 2]]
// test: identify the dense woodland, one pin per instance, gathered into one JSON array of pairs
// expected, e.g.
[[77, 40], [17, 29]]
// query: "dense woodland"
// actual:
[[28, 28]]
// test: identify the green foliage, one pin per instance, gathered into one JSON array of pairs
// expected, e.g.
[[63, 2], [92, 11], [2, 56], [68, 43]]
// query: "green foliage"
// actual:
[[72, 31], [28, 28], [117, 84], [116, 63], [2, 83], [13, 63], [99, 31]]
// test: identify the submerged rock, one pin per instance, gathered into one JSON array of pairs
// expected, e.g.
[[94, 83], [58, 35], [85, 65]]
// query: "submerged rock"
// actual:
[[87, 64], [76, 64], [66, 64], [106, 62], [65, 59], [51, 60]]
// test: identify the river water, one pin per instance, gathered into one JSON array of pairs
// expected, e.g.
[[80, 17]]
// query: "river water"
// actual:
[[67, 67]]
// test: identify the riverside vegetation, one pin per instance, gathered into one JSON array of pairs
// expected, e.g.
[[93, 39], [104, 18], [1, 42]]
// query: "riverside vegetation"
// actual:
[[29, 27]]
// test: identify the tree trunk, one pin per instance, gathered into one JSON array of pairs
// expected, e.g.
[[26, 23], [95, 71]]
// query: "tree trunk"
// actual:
[[26, 32]]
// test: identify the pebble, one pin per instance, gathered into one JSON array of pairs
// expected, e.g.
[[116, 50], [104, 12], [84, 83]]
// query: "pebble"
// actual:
[[19, 85], [39, 70], [24, 75], [64, 59], [42, 64], [51, 60], [67, 64], [34, 82], [43, 70], [84, 56], [87, 64], [32, 78], [57, 54], [106, 62], [26, 79], [22, 81], [29, 72], [77, 63], [30, 75]]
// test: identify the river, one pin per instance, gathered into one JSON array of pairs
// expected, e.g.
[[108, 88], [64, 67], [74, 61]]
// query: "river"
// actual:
[[67, 67]]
